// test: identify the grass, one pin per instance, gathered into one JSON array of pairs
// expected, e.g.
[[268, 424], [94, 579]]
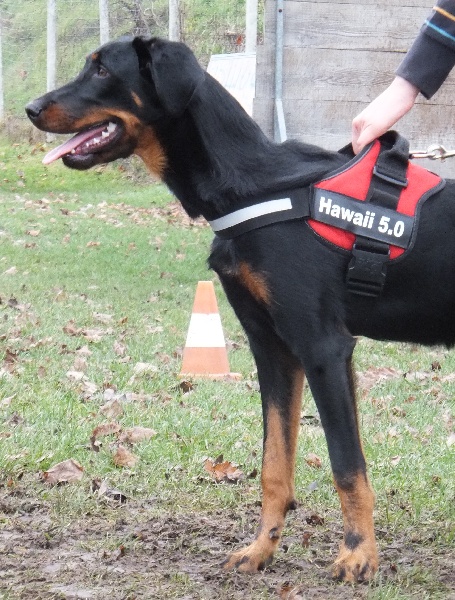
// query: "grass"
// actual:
[[98, 274]]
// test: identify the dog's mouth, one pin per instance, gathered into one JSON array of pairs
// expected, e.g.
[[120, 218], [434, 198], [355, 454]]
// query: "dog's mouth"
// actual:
[[82, 147]]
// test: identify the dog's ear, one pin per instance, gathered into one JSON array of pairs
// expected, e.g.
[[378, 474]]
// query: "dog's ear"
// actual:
[[141, 46], [172, 68]]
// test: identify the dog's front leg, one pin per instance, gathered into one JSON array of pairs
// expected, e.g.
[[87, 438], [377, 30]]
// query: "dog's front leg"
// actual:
[[281, 380], [330, 376]]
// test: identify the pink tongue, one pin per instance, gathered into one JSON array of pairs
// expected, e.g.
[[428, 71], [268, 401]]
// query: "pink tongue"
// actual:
[[71, 144]]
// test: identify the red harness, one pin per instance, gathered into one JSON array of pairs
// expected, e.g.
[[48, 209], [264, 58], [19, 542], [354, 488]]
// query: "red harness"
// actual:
[[355, 183]]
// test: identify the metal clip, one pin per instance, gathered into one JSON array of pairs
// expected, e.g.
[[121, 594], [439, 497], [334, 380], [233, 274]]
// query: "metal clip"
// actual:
[[433, 152]]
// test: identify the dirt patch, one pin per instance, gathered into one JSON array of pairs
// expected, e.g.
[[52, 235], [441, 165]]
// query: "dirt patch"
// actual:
[[128, 552]]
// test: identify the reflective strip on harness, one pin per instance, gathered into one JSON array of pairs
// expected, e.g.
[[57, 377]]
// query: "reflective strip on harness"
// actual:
[[250, 212]]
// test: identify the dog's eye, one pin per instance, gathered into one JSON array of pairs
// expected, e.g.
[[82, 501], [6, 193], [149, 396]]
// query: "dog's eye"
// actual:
[[102, 72]]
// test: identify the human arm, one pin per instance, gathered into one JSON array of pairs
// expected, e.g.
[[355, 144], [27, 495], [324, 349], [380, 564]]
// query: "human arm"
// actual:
[[424, 69]]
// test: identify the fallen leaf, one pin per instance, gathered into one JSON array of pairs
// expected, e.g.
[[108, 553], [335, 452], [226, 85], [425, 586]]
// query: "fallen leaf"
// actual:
[[68, 471], [102, 489], [106, 429], [75, 375], [93, 335], [119, 348], [71, 329], [393, 432], [186, 387], [124, 458], [87, 388], [416, 376], [395, 460], [80, 363], [451, 439], [313, 460], [102, 317], [84, 351], [10, 271], [314, 519], [132, 435], [374, 375], [143, 368], [307, 535], [112, 409], [289, 592], [223, 471]]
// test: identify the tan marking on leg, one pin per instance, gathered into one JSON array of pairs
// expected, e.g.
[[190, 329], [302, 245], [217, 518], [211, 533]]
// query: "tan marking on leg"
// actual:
[[255, 283], [278, 469], [358, 556]]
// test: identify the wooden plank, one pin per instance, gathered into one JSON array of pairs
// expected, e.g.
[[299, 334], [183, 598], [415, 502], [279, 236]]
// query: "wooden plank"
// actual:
[[378, 26], [340, 75]]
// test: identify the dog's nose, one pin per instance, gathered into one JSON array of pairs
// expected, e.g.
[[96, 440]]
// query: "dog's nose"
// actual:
[[33, 110]]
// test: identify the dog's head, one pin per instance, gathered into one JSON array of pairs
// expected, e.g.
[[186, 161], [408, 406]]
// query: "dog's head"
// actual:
[[116, 105]]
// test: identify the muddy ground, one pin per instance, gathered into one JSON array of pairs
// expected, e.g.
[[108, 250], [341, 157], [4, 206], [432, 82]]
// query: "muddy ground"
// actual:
[[129, 550]]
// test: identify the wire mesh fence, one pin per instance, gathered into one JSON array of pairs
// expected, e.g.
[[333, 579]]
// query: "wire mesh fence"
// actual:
[[207, 26]]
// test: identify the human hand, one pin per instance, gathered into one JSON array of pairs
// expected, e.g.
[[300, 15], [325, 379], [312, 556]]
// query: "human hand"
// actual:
[[383, 112]]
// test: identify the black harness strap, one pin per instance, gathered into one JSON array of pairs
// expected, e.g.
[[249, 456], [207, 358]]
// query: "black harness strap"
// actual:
[[367, 270]]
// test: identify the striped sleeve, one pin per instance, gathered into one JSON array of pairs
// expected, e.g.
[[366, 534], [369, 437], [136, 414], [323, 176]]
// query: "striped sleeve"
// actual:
[[441, 23], [432, 55]]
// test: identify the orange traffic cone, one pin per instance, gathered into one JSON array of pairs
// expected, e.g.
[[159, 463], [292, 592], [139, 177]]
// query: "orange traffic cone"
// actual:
[[205, 352]]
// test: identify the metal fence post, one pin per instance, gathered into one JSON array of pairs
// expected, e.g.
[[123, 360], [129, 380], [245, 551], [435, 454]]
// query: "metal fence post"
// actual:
[[104, 21]]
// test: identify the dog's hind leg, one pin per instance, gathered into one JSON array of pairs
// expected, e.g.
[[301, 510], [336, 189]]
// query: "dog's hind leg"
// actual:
[[329, 372]]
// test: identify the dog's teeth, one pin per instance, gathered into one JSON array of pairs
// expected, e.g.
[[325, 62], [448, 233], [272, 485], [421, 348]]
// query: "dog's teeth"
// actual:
[[105, 134], [73, 151], [111, 127]]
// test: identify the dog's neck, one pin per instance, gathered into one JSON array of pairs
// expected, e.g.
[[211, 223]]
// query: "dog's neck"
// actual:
[[228, 159]]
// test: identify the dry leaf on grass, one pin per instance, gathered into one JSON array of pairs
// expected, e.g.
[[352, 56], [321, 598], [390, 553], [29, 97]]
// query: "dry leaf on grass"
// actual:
[[67, 471], [111, 409], [132, 435], [374, 375], [144, 368], [124, 458], [101, 488], [223, 470], [119, 348], [313, 460], [102, 317], [451, 439], [106, 429], [395, 460]]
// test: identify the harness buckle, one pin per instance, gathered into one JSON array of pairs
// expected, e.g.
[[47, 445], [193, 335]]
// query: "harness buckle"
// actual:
[[367, 271]]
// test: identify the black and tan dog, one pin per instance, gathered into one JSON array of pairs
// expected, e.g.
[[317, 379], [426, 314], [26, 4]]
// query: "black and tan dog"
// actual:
[[286, 284]]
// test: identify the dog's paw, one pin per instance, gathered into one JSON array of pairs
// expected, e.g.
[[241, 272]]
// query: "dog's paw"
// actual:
[[251, 559], [356, 565]]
